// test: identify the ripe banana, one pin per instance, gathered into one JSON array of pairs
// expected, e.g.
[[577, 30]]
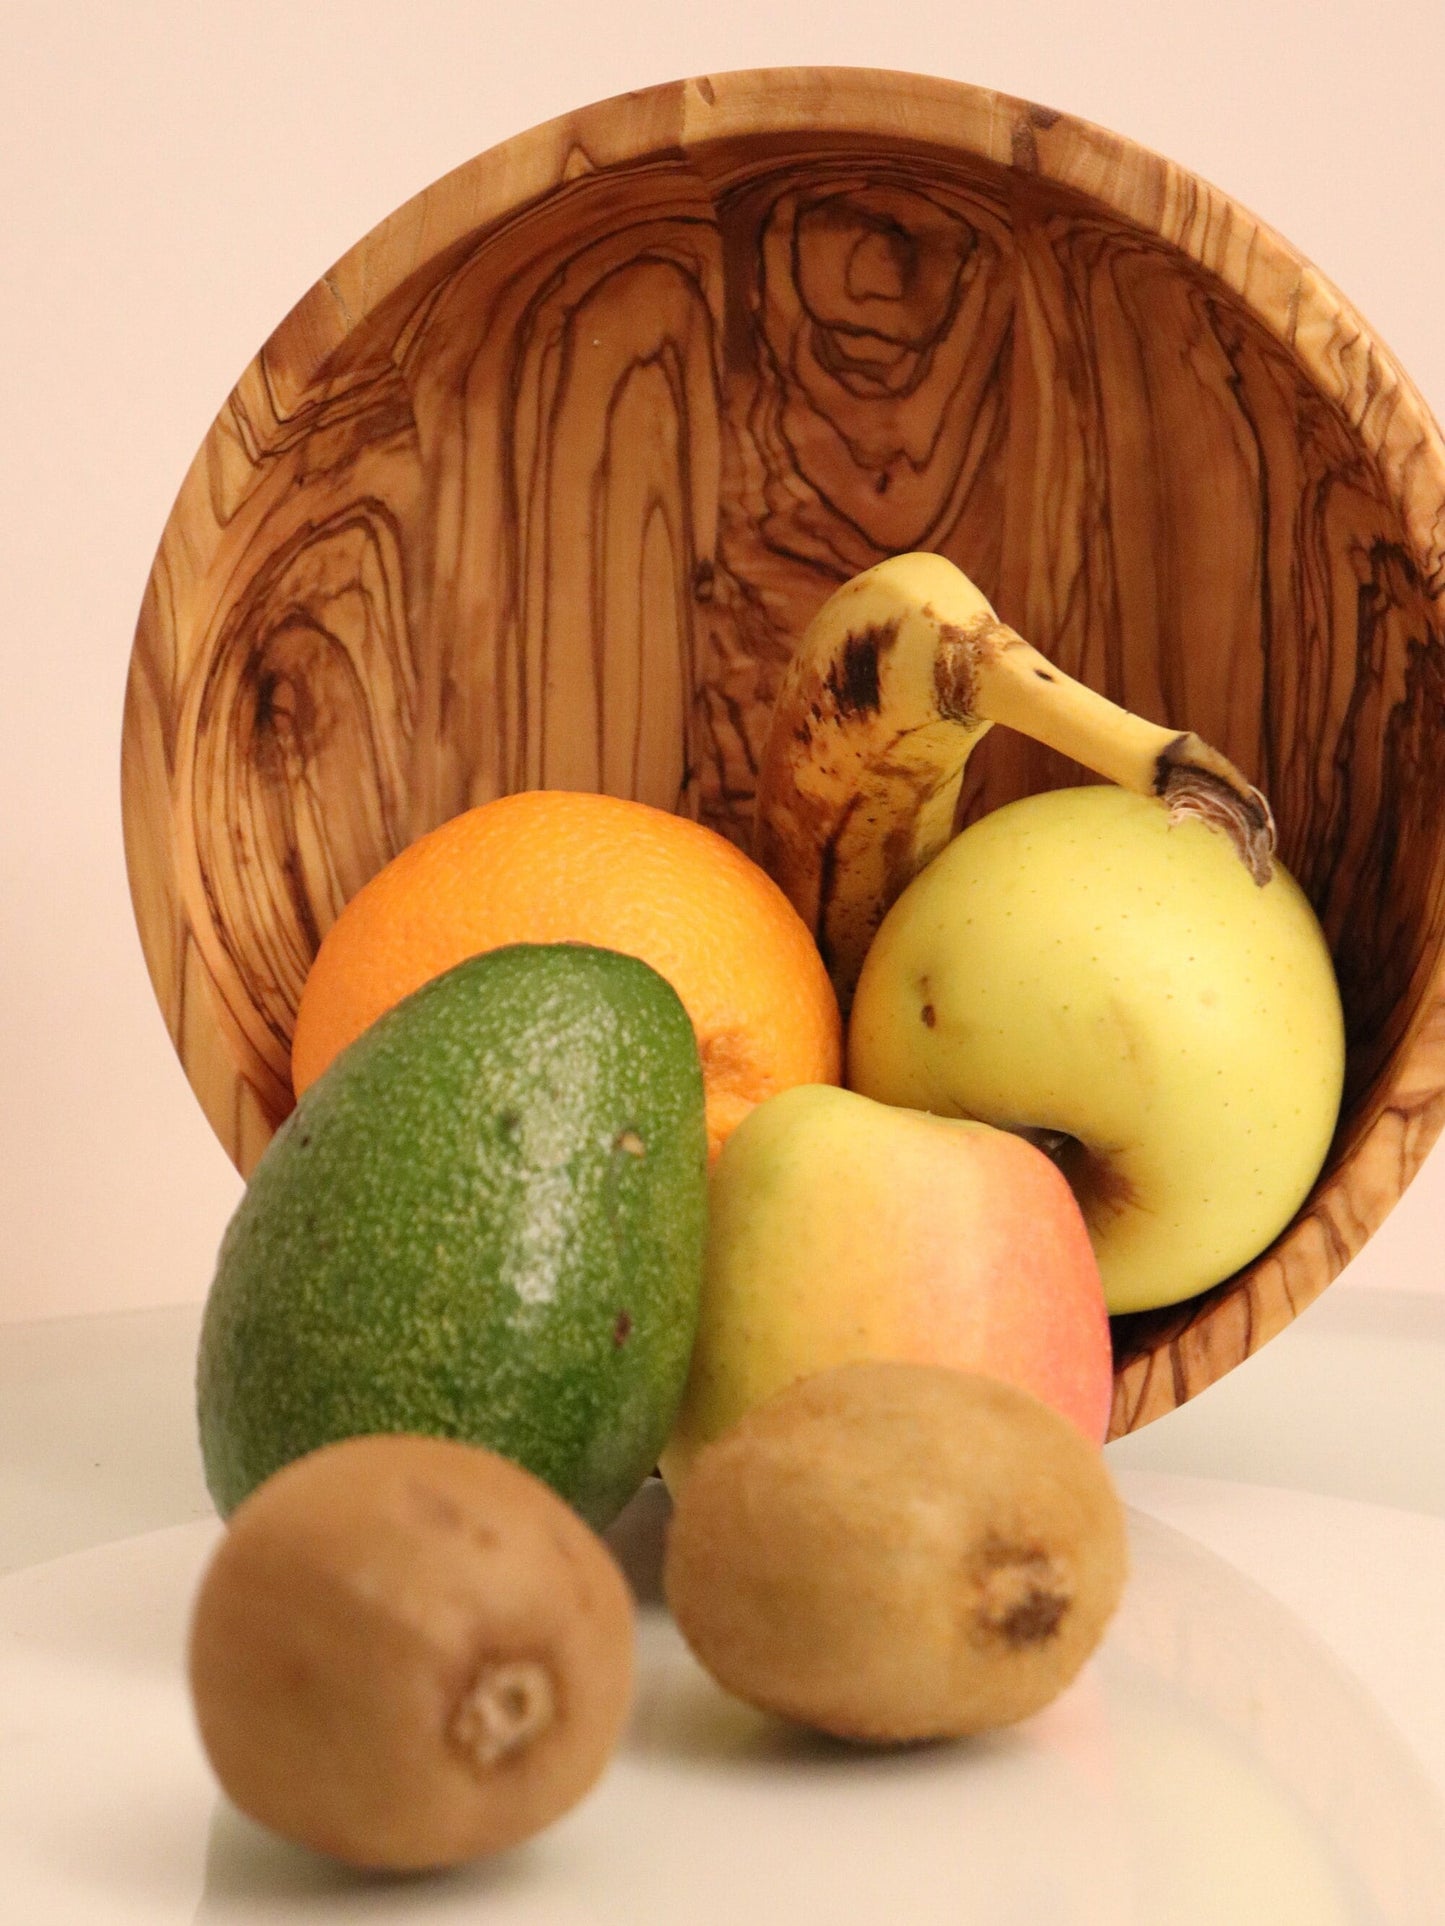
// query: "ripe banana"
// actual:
[[899, 675]]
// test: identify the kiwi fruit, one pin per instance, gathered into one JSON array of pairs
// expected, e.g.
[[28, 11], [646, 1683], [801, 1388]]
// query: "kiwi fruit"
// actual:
[[408, 1652], [896, 1552]]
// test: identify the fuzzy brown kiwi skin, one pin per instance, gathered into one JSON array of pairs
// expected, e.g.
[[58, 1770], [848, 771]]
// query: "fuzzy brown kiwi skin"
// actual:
[[894, 1552], [408, 1653]]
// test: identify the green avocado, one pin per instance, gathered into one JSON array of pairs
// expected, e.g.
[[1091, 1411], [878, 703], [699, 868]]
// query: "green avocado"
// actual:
[[484, 1221]]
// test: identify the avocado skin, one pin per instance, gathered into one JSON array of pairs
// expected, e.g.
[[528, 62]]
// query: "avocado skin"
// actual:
[[485, 1221]]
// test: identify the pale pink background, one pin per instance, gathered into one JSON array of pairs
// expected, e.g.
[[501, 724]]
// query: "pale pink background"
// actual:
[[173, 175]]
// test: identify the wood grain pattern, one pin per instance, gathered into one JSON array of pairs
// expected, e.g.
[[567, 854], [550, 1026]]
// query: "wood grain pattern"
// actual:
[[541, 483]]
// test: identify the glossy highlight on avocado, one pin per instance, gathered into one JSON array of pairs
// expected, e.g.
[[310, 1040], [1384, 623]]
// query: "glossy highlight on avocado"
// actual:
[[486, 1222]]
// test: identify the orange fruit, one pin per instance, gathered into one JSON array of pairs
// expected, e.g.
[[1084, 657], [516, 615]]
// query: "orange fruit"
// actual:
[[557, 866]]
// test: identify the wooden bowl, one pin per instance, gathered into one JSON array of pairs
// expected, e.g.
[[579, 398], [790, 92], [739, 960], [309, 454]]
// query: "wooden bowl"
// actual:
[[540, 484]]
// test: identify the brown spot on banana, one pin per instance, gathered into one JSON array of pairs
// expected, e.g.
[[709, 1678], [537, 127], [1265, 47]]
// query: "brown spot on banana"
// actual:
[[955, 669], [901, 672], [853, 680]]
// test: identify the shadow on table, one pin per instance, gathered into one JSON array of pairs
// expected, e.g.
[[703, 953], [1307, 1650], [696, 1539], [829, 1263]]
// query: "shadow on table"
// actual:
[[252, 1876]]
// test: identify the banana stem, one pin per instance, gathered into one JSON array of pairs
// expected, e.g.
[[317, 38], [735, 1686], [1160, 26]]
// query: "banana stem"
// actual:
[[1023, 690], [1016, 686]]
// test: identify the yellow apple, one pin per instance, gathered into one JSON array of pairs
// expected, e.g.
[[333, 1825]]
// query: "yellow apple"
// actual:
[[842, 1230], [1082, 967]]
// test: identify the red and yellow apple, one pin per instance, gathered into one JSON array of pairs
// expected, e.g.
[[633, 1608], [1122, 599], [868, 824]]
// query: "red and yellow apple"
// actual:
[[843, 1229]]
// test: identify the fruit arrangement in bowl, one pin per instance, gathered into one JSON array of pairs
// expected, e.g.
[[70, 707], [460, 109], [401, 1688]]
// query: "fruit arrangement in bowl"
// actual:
[[573, 1186], [851, 1179]]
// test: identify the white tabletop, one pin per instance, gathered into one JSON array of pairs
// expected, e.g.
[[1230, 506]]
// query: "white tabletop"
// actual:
[[1261, 1738]]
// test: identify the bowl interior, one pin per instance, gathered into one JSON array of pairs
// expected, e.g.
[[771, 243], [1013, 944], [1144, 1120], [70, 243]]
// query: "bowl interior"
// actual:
[[552, 508]]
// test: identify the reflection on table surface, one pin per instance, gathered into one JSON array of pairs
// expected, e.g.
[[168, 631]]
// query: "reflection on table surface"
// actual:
[[98, 1436]]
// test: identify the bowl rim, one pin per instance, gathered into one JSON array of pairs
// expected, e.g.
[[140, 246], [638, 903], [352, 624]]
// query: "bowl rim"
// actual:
[[686, 120]]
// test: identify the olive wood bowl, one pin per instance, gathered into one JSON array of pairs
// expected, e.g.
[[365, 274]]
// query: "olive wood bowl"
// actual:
[[541, 483]]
